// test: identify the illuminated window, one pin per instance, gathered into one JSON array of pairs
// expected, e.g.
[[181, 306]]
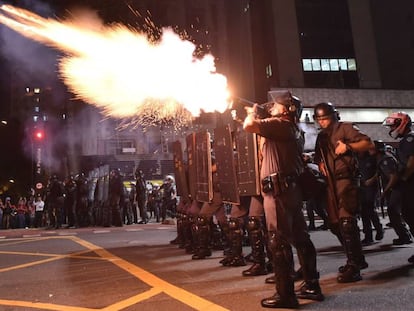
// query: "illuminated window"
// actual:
[[334, 64], [307, 64], [329, 64], [343, 65], [351, 64], [316, 64], [325, 65]]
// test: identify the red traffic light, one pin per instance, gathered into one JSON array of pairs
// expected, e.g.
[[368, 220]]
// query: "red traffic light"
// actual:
[[39, 135]]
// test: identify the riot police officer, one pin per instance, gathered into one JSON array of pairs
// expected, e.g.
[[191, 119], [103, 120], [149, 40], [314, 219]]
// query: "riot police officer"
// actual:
[[400, 124], [368, 194], [141, 196], [70, 201], [115, 198], [390, 192], [82, 202], [335, 149], [281, 148], [55, 201], [169, 197]]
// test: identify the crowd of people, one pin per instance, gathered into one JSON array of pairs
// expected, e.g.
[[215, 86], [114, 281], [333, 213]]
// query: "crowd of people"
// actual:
[[360, 176], [73, 203]]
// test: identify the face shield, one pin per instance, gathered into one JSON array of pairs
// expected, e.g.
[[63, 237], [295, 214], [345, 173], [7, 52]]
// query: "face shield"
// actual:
[[397, 122]]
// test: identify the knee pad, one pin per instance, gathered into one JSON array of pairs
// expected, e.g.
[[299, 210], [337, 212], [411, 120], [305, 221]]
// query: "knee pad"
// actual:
[[234, 224], [278, 242], [254, 223], [203, 221]]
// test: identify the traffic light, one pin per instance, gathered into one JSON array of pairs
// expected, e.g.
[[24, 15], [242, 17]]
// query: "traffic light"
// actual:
[[39, 135]]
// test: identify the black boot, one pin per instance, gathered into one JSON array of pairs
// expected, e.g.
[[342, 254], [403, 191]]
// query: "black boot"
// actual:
[[179, 238], [310, 288], [190, 234], [216, 237], [404, 236], [225, 238], [236, 259], [203, 238], [283, 264], [254, 228], [227, 244], [277, 302], [353, 249], [183, 230]]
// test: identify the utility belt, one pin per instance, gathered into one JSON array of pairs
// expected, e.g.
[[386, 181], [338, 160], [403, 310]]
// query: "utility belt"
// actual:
[[278, 183]]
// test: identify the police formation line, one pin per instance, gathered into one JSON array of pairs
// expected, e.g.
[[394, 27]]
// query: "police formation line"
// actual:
[[256, 166], [101, 199]]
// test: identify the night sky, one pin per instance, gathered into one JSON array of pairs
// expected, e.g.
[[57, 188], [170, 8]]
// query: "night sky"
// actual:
[[26, 62]]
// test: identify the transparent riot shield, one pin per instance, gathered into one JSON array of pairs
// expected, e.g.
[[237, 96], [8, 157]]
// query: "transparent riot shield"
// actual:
[[180, 171]]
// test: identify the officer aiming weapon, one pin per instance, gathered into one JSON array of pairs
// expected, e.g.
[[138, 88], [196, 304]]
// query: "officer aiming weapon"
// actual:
[[238, 111]]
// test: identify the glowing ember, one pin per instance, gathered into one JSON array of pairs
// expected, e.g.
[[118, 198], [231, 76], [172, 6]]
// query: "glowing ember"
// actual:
[[118, 70]]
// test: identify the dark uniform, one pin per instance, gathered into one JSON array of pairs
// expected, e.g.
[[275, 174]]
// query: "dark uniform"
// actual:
[[82, 202], [169, 200], [141, 196], [115, 199], [70, 202], [334, 154], [368, 194], [55, 201], [281, 148], [400, 127], [405, 153], [202, 228], [387, 172]]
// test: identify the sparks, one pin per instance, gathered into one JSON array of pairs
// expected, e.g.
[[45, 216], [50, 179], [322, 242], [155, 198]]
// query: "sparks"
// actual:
[[123, 73]]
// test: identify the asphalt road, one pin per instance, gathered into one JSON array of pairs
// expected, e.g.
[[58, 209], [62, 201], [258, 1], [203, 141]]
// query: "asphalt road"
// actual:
[[135, 268]]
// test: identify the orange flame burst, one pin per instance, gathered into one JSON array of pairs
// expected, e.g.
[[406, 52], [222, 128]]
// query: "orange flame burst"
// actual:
[[118, 70]]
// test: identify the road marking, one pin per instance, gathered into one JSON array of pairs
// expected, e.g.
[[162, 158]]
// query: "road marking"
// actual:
[[157, 284], [175, 292]]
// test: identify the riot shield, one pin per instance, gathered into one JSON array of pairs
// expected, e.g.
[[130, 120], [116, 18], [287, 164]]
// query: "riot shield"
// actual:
[[93, 180], [247, 163], [180, 171], [191, 162], [103, 183], [226, 164], [204, 184]]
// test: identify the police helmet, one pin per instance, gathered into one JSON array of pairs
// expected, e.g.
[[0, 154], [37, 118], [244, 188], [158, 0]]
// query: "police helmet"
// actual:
[[292, 103], [398, 122], [169, 179], [325, 109]]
